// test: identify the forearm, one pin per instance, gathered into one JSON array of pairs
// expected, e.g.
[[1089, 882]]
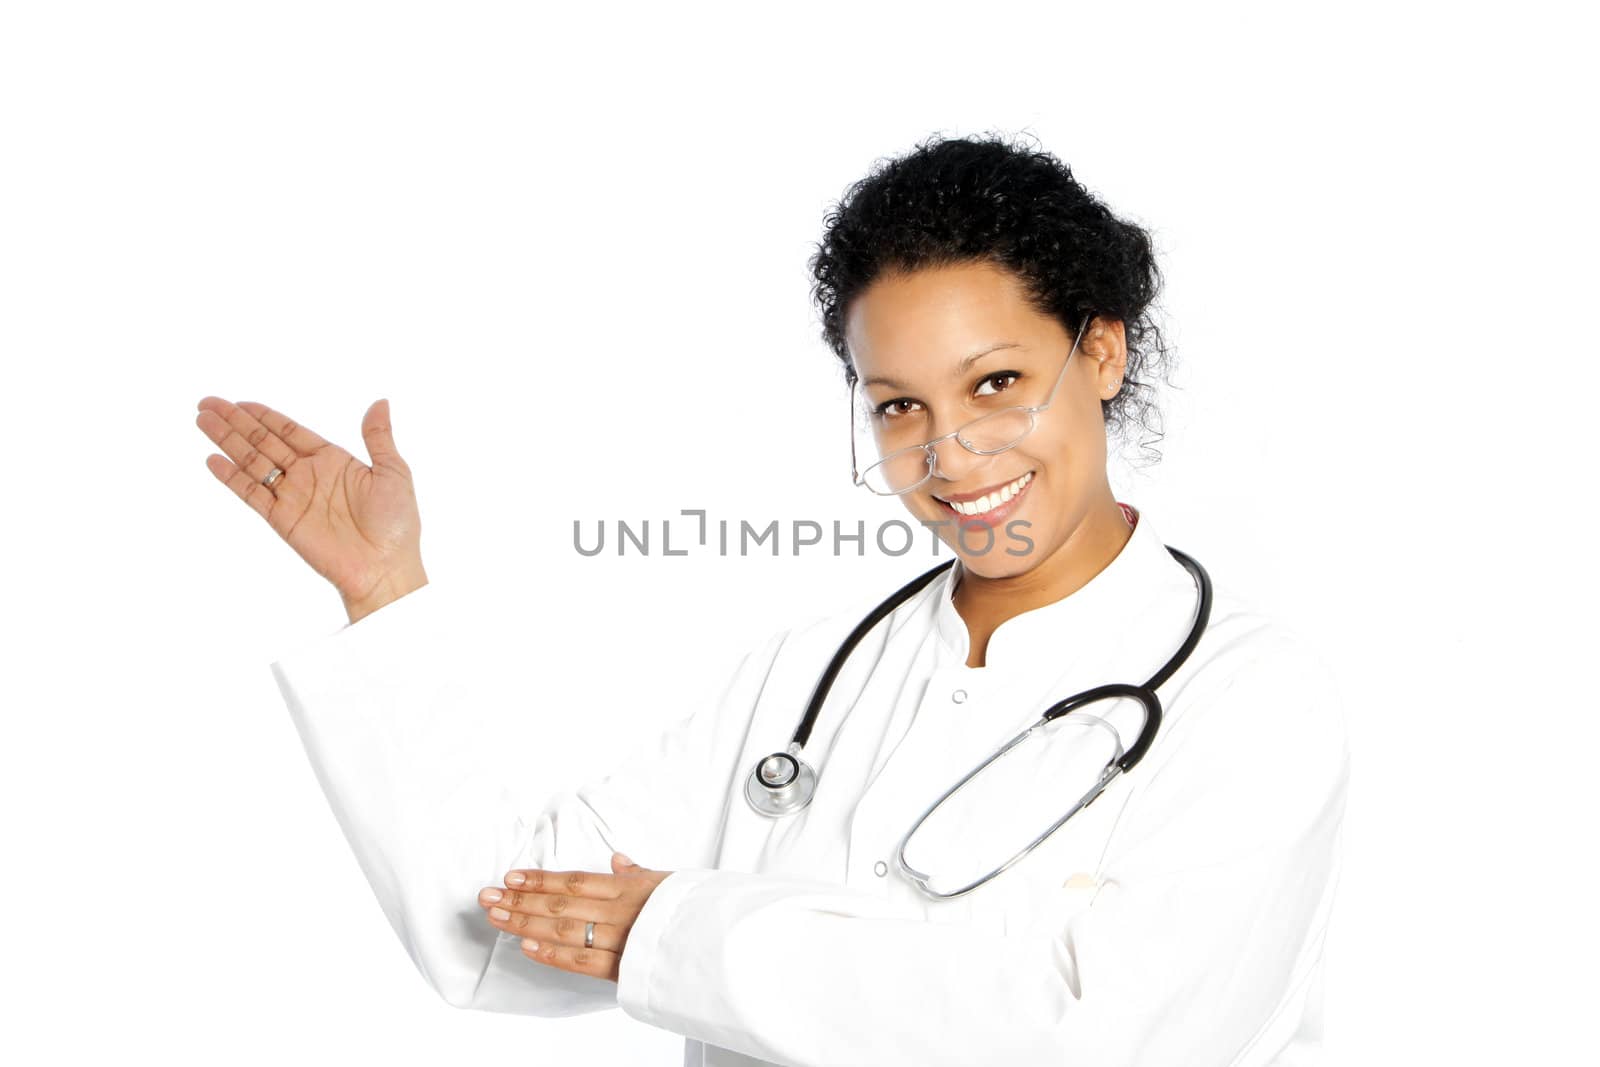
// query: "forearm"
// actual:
[[802, 972], [1186, 953], [407, 755]]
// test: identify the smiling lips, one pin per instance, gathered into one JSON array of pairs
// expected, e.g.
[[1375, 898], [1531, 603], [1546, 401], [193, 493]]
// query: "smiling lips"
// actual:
[[990, 505]]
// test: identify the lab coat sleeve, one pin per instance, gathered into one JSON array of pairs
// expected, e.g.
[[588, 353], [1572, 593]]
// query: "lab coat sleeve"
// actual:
[[1214, 896], [405, 746]]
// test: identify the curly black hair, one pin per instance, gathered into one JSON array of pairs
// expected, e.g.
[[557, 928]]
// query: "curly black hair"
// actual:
[[990, 198]]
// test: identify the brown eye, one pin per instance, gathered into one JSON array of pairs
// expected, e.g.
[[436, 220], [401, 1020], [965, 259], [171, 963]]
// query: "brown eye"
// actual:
[[1005, 376], [891, 408]]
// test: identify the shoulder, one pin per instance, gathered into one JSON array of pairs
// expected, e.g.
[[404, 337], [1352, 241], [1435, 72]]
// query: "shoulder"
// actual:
[[1251, 758], [1260, 701]]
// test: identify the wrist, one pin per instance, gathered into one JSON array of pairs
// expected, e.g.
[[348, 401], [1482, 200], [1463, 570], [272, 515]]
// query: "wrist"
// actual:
[[389, 589]]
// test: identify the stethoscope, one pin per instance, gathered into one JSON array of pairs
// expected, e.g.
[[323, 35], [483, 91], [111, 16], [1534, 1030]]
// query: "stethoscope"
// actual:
[[783, 783]]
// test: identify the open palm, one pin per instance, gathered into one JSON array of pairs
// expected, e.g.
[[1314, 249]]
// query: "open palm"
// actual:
[[356, 525]]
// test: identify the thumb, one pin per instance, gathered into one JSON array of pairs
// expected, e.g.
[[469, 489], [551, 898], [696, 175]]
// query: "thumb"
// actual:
[[379, 435], [621, 863]]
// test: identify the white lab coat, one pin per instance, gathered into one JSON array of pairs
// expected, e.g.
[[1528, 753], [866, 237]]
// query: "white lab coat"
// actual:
[[1178, 920]]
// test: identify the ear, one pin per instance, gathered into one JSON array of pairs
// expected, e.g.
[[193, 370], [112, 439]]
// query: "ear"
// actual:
[[1106, 343]]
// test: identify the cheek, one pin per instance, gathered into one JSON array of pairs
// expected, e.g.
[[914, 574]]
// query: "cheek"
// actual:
[[922, 508], [1056, 458], [1077, 446]]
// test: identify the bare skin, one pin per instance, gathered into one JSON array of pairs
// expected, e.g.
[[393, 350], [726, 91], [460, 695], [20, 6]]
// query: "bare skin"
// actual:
[[551, 910], [356, 524], [914, 330]]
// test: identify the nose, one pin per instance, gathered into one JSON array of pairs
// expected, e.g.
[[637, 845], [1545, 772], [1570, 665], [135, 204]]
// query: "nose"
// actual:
[[952, 462]]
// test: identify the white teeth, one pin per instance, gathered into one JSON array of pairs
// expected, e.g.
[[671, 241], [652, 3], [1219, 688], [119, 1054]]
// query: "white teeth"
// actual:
[[992, 500]]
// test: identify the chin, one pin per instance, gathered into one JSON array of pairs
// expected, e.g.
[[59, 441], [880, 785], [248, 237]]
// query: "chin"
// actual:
[[994, 567], [1010, 553]]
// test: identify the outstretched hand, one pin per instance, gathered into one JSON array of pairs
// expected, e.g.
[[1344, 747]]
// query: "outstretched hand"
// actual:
[[356, 524], [552, 909]]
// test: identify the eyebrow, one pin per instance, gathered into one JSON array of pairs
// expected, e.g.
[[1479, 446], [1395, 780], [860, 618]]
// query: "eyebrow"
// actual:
[[961, 368]]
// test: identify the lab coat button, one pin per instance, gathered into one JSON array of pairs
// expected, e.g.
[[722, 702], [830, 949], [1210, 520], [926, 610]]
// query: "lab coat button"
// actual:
[[959, 696], [880, 868]]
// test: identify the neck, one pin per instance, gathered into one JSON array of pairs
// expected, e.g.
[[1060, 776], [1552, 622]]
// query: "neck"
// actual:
[[985, 603]]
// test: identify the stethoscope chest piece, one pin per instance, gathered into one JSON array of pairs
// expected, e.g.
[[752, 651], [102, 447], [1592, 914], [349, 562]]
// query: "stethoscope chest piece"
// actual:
[[781, 784]]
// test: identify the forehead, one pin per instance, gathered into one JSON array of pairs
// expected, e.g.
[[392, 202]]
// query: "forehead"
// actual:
[[931, 318]]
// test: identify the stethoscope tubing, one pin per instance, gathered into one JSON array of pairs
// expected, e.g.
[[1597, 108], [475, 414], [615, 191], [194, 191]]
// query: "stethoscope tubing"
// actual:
[[783, 783], [875, 616]]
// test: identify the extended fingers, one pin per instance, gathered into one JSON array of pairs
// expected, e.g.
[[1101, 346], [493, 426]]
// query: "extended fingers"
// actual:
[[571, 883], [548, 905], [246, 488], [568, 930], [595, 962], [303, 440], [253, 447], [251, 452], [557, 940]]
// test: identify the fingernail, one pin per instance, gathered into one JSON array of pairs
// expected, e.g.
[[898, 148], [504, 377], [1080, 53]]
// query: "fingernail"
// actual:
[[624, 859], [515, 879], [492, 896], [500, 913]]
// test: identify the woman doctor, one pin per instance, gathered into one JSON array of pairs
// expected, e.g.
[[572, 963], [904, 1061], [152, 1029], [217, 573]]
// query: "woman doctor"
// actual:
[[993, 323]]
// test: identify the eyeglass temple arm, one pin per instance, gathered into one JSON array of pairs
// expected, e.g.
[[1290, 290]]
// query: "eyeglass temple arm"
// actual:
[[855, 475], [1084, 325]]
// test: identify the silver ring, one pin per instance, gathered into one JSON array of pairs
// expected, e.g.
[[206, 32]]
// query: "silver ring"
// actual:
[[272, 476], [588, 936]]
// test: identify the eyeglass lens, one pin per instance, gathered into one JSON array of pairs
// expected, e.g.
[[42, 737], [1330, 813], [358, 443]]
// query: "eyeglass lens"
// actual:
[[907, 465]]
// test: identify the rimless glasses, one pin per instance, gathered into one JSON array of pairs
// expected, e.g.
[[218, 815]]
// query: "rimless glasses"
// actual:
[[904, 469]]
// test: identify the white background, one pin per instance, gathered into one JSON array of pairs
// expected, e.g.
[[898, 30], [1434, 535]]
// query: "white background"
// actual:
[[570, 248]]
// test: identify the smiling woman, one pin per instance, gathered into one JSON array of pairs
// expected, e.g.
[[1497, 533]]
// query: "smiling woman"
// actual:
[[996, 321], [991, 319]]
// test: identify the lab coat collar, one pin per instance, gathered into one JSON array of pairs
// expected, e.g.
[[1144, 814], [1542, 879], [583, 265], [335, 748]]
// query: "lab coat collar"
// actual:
[[1098, 607]]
